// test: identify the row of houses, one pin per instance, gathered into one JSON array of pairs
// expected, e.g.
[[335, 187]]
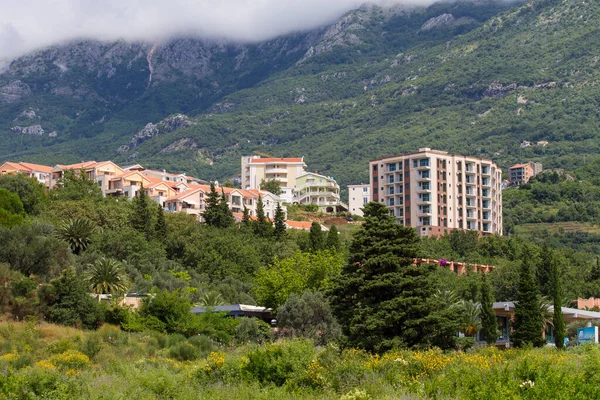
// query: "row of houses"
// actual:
[[174, 192]]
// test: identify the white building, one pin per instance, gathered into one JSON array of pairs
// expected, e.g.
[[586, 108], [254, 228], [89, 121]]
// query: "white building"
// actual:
[[358, 196], [284, 170]]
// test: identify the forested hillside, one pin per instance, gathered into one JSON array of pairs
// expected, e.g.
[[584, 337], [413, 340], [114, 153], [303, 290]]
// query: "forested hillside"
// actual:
[[474, 78]]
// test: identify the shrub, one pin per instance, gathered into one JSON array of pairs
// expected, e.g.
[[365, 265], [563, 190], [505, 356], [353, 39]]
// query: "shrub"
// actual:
[[276, 363], [253, 330], [91, 345], [184, 351], [202, 343]]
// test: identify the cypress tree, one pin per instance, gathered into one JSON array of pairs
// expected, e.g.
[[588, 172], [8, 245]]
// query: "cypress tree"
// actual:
[[142, 216], [225, 219], [246, 217], [528, 318], [317, 240], [544, 271], [489, 324], [280, 229], [380, 298], [212, 210], [262, 226], [596, 270], [160, 230], [333, 239], [558, 320]]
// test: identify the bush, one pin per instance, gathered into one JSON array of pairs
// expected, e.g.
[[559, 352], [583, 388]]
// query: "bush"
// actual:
[[184, 351], [202, 343], [278, 363], [253, 330], [91, 345]]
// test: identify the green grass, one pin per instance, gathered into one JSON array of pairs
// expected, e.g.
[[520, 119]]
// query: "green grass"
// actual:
[[528, 229]]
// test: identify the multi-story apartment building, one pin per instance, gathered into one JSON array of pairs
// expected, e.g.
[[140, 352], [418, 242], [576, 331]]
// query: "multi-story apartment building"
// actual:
[[39, 172], [99, 172], [521, 173], [435, 192], [319, 190], [358, 196], [284, 170]]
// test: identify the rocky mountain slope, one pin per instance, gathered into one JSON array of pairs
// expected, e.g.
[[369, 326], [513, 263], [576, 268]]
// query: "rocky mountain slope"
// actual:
[[477, 78]]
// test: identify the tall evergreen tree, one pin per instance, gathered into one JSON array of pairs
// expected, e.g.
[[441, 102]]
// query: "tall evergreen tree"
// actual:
[[544, 271], [596, 270], [316, 237], [489, 324], [280, 229], [246, 216], [558, 320], [160, 230], [262, 225], [142, 216], [226, 218], [212, 210], [333, 239], [528, 318], [381, 299]]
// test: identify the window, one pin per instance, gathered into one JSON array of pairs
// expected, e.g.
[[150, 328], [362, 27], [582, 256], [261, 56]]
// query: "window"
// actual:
[[365, 190], [365, 200], [392, 167], [391, 203]]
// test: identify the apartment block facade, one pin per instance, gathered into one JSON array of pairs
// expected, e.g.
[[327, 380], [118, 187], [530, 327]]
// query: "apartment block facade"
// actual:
[[358, 196], [522, 173], [284, 170], [435, 192]]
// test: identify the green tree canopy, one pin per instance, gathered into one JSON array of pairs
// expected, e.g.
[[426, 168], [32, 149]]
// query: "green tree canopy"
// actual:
[[31, 192], [272, 186], [528, 318], [381, 299], [489, 324], [76, 186], [309, 316]]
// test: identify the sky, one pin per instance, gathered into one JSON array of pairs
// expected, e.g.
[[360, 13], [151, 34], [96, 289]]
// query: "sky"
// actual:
[[26, 25]]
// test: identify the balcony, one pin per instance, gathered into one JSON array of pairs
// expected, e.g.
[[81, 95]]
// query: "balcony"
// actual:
[[471, 204], [486, 205], [424, 211], [423, 188], [486, 182], [485, 170], [423, 200], [423, 176], [276, 170], [471, 215], [470, 169]]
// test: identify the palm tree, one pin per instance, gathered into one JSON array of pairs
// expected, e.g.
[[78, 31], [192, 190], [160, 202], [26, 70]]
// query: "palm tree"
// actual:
[[108, 276], [447, 298], [211, 299], [77, 233], [472, 317]]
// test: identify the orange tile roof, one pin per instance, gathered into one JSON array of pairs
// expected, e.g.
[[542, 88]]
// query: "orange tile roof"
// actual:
[[519, 166], [12, 165], [85, 164], [37, 167], [184, 194], [299, 224], [285, 160]]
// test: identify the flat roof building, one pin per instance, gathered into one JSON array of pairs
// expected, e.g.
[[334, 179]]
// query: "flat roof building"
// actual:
[[435, 192]]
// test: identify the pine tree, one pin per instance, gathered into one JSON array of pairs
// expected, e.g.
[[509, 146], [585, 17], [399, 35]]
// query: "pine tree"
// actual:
[[544, 271], [528, 318], [381, 299], [558, 320], [489, 324], [142, 216], [333, 239], [280, 229], [317, 240], [160, 230], [212, 210], [262, 226]]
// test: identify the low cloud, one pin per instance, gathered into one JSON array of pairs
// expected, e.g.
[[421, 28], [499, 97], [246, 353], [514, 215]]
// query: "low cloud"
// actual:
[[29, 24]]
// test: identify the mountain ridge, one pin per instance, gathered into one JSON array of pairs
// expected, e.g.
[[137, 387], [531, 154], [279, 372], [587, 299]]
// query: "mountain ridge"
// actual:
[[479, 88]]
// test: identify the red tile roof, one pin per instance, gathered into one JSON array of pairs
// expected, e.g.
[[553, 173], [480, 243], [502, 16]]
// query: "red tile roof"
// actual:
[[283, 160]]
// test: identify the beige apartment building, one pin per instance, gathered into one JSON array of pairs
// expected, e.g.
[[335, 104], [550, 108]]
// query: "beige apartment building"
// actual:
[[284, 170], [522, 173], [435, 192], [358, 196]]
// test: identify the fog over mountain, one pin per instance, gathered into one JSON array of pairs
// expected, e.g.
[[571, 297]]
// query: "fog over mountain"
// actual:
[[30, 24]]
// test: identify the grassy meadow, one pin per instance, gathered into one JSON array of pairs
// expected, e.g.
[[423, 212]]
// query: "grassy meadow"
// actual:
[[51, 362]]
